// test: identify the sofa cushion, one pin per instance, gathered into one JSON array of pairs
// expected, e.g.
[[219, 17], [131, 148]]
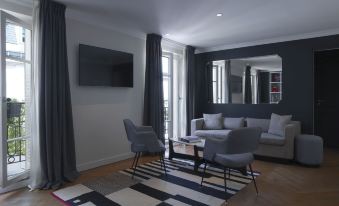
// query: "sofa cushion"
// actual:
[[234, 123], [278, 124], [221, 134], [213, 121], [271, 139], [262, 123]]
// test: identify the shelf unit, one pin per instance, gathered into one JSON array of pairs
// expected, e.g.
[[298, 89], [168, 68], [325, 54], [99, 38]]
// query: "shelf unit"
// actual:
[[275, 87]]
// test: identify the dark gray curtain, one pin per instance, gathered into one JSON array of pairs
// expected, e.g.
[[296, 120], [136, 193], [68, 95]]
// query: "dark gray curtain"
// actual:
[[55, 111], [190, 90], [228, 78], [153, 97], [208, 77], [263, 87], [248, 86], [259, 86]]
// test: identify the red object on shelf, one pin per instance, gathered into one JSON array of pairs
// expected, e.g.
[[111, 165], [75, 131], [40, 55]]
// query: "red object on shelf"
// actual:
[[275, 89]]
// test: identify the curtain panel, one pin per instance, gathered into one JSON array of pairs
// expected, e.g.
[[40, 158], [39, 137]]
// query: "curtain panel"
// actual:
[[57, 149], [248, 87], [35, 171], [227, 82], [153, 96], [190, 91]]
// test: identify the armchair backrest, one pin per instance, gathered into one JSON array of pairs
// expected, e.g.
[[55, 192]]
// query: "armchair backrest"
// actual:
[[243, 140], [130, 130]]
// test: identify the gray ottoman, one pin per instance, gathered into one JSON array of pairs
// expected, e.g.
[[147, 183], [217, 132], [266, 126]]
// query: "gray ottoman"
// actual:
[[309, 149]]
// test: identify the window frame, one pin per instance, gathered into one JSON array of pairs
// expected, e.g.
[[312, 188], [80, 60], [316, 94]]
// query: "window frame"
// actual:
[[22, 178], [169, 76]]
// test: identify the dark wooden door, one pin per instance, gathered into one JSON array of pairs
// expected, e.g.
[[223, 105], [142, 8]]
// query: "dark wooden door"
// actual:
[[327, 96]]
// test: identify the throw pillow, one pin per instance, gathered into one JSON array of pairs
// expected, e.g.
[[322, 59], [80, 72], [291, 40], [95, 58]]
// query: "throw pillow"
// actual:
[[278, 123], [264, 124], [213, 121], [234, 123]]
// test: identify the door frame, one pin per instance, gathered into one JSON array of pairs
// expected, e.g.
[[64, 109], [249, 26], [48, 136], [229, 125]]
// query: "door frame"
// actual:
[[4, 182], [315, 117]]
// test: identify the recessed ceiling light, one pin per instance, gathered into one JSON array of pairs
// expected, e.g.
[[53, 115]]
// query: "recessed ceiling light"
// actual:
[[167, 34], [219, 14]]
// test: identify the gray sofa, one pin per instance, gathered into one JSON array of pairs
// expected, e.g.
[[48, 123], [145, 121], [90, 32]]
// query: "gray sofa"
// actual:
[[270, 145]]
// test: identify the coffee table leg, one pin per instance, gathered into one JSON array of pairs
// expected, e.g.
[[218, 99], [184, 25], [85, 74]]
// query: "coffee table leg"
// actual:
[[197, 159], [171, 150]]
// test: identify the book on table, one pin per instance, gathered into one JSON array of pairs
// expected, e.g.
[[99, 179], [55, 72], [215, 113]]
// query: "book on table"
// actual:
[[190, 139]]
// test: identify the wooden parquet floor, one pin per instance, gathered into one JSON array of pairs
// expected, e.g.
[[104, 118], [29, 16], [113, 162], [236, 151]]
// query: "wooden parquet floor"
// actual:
[[279, 184]]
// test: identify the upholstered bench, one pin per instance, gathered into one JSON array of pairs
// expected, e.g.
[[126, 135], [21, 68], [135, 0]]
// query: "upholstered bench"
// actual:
[[309, 149]]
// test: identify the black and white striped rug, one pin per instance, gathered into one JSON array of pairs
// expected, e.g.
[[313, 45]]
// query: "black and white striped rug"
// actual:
[[150, 187]]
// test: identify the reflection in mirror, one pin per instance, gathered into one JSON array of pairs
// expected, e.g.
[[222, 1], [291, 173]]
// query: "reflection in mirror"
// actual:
[[255, 80]]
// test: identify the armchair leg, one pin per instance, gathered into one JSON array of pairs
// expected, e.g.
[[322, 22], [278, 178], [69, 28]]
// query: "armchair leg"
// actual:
[[255, 184], [163, 162], [203, 175], [135, 157], [136, 164], [225, 180]]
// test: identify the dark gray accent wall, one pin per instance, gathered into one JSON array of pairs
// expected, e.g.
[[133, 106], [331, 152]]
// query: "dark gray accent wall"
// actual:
[[297, 79]]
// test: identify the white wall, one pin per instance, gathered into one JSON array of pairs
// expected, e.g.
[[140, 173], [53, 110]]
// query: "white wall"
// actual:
[[98, 111]]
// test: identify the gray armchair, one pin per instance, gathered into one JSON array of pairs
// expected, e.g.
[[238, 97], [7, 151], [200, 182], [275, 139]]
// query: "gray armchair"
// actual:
[[233, 152], [143, 139]]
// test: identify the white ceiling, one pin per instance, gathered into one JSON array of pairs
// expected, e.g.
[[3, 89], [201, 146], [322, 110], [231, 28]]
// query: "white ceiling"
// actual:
[[194, 22], [19, 8]]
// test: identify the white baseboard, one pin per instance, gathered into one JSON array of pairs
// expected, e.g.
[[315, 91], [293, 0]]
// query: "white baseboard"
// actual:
[[105, 161], [15, 186]]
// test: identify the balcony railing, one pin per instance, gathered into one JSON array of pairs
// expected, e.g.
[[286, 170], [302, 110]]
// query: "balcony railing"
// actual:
[[16, 145], [16, 55], [166, 115]]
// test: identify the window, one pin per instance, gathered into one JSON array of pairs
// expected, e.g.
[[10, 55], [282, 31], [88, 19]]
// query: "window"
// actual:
[[167, 73], [218, 83], [174, 88], [15, 88]]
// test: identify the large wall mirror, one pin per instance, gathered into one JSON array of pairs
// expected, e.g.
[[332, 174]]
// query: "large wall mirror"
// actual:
[[255, 80]]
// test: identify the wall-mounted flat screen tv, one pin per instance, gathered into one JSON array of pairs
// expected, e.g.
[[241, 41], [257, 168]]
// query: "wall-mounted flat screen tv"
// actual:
[[104, 67]]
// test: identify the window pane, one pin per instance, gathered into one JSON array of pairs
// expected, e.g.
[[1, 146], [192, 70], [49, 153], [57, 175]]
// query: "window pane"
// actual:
[[214, 74], [214, 92], [18, 42], [165, 88], [15, 80], [17, 84], [219, 84], [165, 65]]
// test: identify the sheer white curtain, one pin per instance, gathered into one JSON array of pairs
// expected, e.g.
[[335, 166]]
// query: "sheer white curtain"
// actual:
[[179, 86], [35, 175]]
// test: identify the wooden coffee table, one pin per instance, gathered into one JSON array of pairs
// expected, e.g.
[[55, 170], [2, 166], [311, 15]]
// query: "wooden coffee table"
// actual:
[[197, 146]]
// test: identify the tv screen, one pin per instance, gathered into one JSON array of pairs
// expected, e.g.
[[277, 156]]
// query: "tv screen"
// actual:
[[104, 67]]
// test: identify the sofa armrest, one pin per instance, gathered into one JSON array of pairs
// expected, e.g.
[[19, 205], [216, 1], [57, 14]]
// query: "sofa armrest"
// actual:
[[196, 124], [291, 131]]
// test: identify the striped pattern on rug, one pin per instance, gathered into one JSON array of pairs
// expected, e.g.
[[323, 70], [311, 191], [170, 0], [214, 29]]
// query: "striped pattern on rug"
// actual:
[[151, 186]]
